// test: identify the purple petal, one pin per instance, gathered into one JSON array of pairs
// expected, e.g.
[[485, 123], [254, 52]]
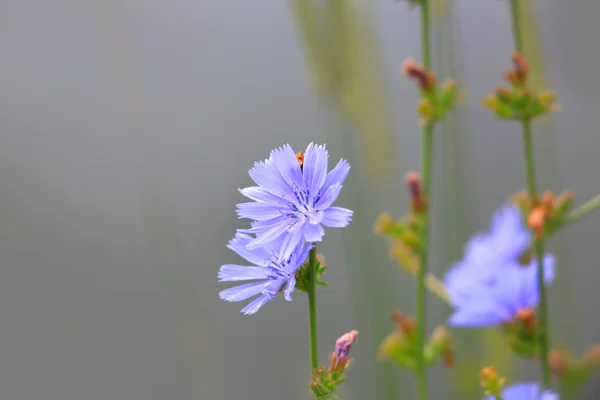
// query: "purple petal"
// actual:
[[315, 167], [286, 162], [526, 391], [290, 243], [530, 294], [242, 292], [479, 313], [267, 176], [289, 289], [268, 233], [313, 232], [259, 211], [338, 175], [256, 304], [232, 272], [299, 257], [336, 217], [259, 256], [328, 197], [259, 194]]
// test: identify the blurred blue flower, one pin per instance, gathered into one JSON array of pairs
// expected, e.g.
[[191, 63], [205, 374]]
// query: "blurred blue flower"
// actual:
[[514, 289], [525, 391], [271, 269], [487, 253], [294, 196]]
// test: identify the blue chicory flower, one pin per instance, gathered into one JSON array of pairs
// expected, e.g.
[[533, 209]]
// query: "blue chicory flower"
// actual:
[[294, 196], [487, 253], [525, 391], [514, 289], [272, 269]]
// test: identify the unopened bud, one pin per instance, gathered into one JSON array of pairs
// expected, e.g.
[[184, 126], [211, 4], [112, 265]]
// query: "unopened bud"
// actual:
[[404, 323], [339, 358], [491, 102], [425, 80], [385, 224], [503, 94], [526, 317], [415, 189], [490, 381], [300, 158], [537, 218], [559, 362], [517, 75]]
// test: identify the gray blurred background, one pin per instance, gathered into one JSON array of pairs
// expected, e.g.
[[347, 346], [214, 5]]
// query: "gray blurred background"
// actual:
[[128, 125]]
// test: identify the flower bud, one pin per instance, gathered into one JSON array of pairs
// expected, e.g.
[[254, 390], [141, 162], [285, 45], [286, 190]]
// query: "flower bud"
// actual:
[[385, 224], [491, 382]]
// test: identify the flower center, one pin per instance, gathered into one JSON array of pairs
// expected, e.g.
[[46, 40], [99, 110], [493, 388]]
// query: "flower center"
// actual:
[[277, 267], [304, 206]]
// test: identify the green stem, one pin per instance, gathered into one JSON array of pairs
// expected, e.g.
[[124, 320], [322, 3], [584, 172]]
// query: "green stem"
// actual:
[[427, 150], [516, 24], [539, 254], [421, 292], [531, 186], [312, 307], [580, 212]]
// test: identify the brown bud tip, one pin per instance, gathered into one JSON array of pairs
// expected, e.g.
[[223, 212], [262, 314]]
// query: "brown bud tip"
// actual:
[[559, 361], [413, 181], [314, 384], [405, 323], [448, 358], [520, 64], [537, 218], [320, 258], [300, 158], [547, 199], [415, 189], [412, 70], [526, 316], [320, 371], [488, 374]]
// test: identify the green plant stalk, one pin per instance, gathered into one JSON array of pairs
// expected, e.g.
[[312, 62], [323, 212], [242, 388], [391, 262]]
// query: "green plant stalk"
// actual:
[[539, 254], [580, 212], [532, 189], [422, 275], [312, 307], [427, 150]]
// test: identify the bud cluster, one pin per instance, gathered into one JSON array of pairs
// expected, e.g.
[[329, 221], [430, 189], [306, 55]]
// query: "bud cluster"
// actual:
[[302, 274], [544, 214], [574, 372], [518, 102], [436, 101], [325, 380], [406, 233], [491, 383], [401, 346], [522, 334]]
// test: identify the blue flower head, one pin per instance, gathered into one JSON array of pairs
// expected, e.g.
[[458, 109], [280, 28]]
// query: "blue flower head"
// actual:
[[525, 391], [294, 196], [271, 270], [513, 290], [486, 254]]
